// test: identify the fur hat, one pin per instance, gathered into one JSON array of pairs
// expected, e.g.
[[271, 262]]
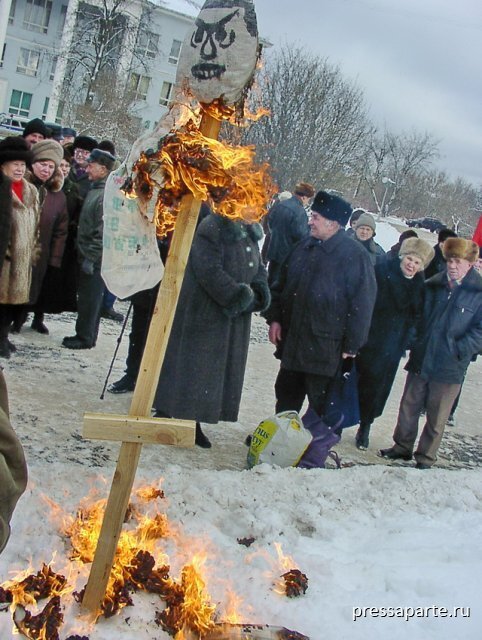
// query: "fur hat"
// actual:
[[284, 195], [304, 189], [417, 247], [68, 132], [460, 248], [107, 145], [36, 126], [104, 158], [332, 207], [47, 150], [85, 142], [366, 220], [15, 148]]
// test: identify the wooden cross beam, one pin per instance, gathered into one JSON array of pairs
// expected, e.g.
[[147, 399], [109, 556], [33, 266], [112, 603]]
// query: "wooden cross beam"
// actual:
[[138, 427]]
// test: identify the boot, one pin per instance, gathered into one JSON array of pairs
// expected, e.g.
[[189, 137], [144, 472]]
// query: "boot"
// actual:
[[362, 436], [19, 318], [201, 439], [38, 323], [4, 348]]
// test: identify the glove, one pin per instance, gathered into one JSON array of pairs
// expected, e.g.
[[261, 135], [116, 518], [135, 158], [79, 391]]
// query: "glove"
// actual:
[[88, 267]]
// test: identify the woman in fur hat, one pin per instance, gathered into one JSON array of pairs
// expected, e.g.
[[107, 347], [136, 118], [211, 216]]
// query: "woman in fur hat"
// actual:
[[48, 179], [398, 308], [21, 227]]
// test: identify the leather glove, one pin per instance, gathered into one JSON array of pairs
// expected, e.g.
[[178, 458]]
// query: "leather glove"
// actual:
[[88, 267]]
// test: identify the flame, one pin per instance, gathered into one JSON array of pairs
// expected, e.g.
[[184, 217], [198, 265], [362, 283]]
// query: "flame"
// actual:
[[285, 562], [187, 162]]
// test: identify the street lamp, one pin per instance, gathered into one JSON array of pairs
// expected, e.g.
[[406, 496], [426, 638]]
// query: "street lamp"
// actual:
[[387, 182]]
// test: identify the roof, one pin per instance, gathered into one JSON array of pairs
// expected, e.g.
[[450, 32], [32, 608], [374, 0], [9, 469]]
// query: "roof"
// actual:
[[185, 7]]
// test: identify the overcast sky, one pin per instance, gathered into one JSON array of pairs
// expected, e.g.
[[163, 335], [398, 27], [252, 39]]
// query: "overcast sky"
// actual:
[[418, 62]]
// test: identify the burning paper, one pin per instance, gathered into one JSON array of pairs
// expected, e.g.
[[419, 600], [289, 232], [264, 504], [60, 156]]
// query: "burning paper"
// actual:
[[189, 163]]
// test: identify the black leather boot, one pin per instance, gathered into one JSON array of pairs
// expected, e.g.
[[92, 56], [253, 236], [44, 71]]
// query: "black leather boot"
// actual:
[[201, 438], [38, 323], [362, 436]]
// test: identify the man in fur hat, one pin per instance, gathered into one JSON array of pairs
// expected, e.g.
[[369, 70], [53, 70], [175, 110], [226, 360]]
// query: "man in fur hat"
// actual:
[[450, 336], [35, 131], [365, 231], [82, 148], [287, 224], [321, 306]]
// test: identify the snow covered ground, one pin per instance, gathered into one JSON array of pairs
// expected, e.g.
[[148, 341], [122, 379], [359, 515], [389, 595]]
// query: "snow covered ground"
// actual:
[[371, 535]]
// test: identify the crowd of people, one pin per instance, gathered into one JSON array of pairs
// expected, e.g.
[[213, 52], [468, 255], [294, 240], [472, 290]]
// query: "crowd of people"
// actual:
[[53, 231], [330, 294]]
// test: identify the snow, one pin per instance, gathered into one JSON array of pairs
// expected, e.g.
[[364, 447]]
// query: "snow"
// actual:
[[373, 534], [185, 7]]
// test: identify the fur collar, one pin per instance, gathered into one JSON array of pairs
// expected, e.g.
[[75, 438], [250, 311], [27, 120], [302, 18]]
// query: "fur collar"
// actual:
[[54, 184], [30, 197], [235, 230]]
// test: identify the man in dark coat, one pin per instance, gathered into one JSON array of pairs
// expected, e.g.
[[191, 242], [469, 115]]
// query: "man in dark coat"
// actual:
[[225, 281], [288, 224], [365, 231], [321, 306], [89, 245], [451, 336]]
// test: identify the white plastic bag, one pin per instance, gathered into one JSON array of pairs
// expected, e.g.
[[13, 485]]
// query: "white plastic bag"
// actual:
[[280, 439], [130, 258]]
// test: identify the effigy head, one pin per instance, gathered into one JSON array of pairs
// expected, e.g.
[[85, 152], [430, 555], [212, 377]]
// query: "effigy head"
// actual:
[[219, 54]]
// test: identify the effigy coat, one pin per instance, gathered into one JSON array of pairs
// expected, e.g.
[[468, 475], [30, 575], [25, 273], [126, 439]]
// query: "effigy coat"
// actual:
[[203, 371]]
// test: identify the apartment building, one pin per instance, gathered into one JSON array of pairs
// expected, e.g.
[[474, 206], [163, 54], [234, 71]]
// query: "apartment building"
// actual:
[[43, 36]]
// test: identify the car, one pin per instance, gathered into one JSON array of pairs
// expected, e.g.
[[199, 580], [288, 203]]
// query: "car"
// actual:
[[432, 224]]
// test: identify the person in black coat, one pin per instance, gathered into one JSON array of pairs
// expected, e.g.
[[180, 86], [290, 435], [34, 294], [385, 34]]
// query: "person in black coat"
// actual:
[[450, 338], [398, 309], [288, 224], [321, 306]]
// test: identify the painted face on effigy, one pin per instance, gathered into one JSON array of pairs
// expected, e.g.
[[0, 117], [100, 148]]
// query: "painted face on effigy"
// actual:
[[219, 56]]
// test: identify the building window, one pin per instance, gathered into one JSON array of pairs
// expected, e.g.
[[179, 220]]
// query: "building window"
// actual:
[[3, 54], [139, 85], [20, 103], [37, 15], [60, 111], [46, 108], [63, 15], [166, 91], [28, 62], [13, 6], [53, 66], [147, 44], [175, 51]]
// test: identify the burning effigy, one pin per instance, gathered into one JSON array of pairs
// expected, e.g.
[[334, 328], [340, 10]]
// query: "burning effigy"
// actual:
[[183, 607]]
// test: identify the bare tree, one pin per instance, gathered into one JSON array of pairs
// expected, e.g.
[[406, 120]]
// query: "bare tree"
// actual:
[[390, 163], [109, 43], [317, 123]]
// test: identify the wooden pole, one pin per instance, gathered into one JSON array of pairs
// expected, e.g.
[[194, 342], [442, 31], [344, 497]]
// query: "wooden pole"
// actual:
[[144, 392]]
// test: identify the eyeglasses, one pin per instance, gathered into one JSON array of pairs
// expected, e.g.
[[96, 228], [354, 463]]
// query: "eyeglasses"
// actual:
[[81, 152]]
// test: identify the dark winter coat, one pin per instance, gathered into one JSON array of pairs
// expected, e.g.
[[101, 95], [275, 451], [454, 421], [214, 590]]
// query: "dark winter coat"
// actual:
[[53, 234], [5, 215], [288, 224], [23, 248], [437, 264], [81, 181], [375, 251], [398, 310], [203, 371], [452, 329], [91, 224], [324, 301], [67, 298]]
